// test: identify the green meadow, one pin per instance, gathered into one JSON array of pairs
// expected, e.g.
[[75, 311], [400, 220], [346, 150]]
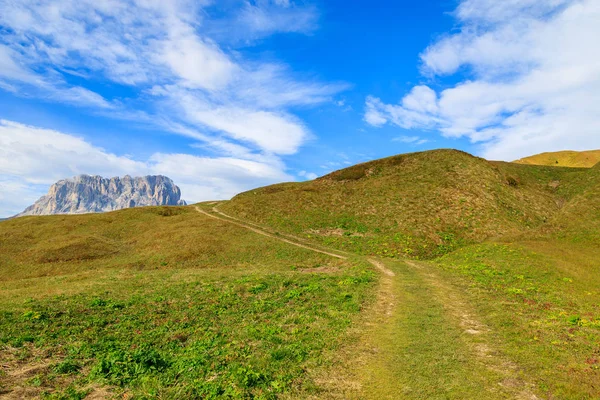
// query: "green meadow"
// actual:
[[433, 275]]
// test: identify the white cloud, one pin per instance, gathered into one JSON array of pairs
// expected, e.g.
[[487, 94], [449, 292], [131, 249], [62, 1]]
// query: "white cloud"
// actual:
[[374, 113], [10, 69], [80, 96], [308, 175], [15, 195], [418, 109], [262, 18], [533, 79], [32, 158], [198, 64], [489, 11], [414, 140], [21, 75], [277, 133], [421, 99], [43, 156], [204, 178], [163, 50]]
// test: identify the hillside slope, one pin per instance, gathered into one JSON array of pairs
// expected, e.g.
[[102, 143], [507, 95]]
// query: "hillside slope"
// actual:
[[579, 159], [581, 215], [138, 238], [420, 205], [186, 302], [165, 302]]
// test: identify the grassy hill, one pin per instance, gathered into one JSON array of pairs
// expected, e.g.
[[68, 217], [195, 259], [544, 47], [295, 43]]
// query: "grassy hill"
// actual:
[[135, 239], [166, 302], [419, 205], [489, 289], [520, 242], [581, 159]]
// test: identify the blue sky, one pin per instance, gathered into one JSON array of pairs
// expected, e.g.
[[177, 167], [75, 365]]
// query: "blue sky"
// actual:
[[224, 96]]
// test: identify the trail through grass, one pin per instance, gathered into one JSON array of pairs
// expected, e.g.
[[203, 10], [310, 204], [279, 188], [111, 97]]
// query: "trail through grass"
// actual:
[[248, 299], [427, 341]]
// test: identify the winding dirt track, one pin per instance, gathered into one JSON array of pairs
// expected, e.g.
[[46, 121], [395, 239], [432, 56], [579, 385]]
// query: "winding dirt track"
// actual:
[[518, 388], [232, 220]]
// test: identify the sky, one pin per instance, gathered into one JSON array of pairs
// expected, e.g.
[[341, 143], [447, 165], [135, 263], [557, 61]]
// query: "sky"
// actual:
[[225, 96]]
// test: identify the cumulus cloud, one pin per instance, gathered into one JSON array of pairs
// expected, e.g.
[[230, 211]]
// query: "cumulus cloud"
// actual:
[[308, 175], [414, 140], [43, 156], [531, 79], [164, 51], [31, 158]]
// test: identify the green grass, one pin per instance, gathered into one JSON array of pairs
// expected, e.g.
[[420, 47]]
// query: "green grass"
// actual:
[[420, 205], [245, 336], [138, 239], [421, 351], [520, 242], [585, 159], [164, 302], [542, 300], [189, 308]]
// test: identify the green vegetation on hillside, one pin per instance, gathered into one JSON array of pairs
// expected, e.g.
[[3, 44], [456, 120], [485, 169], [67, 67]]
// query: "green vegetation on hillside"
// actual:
[[140, 238], [520, 242], [486, 285], [419, 205], [166, 302], [542, 300], [581, 159]]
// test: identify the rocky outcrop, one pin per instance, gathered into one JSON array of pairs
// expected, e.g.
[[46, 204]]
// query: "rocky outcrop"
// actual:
[[89, 194]]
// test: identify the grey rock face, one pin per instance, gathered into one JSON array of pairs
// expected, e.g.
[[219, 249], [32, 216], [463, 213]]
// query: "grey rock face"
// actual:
[[89, 194]]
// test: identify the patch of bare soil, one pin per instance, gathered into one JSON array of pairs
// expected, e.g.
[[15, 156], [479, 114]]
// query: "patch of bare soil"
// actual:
[[17, 366], [326, 269], [24, 372], [334, 232], [99, 393]]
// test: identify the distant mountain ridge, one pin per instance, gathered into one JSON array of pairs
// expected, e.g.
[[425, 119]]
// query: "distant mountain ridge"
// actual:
[[90, 194], [567, 158]]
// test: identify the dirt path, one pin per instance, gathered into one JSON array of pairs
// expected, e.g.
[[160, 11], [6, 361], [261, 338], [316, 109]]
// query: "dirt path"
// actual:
[[254, 228], [264, 233], [476, 334]]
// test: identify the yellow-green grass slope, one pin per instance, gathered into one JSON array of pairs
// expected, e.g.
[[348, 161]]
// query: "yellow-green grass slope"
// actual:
[[568, 158], [419, 205], [167, 303], [521, 249]]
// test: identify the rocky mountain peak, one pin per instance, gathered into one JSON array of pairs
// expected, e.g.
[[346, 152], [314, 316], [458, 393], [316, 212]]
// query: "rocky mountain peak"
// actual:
[[87, 194]]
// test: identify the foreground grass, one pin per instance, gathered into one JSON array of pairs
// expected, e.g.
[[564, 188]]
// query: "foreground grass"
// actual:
[[541, 300], [250, 336], [132, 323], [420, 351]]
